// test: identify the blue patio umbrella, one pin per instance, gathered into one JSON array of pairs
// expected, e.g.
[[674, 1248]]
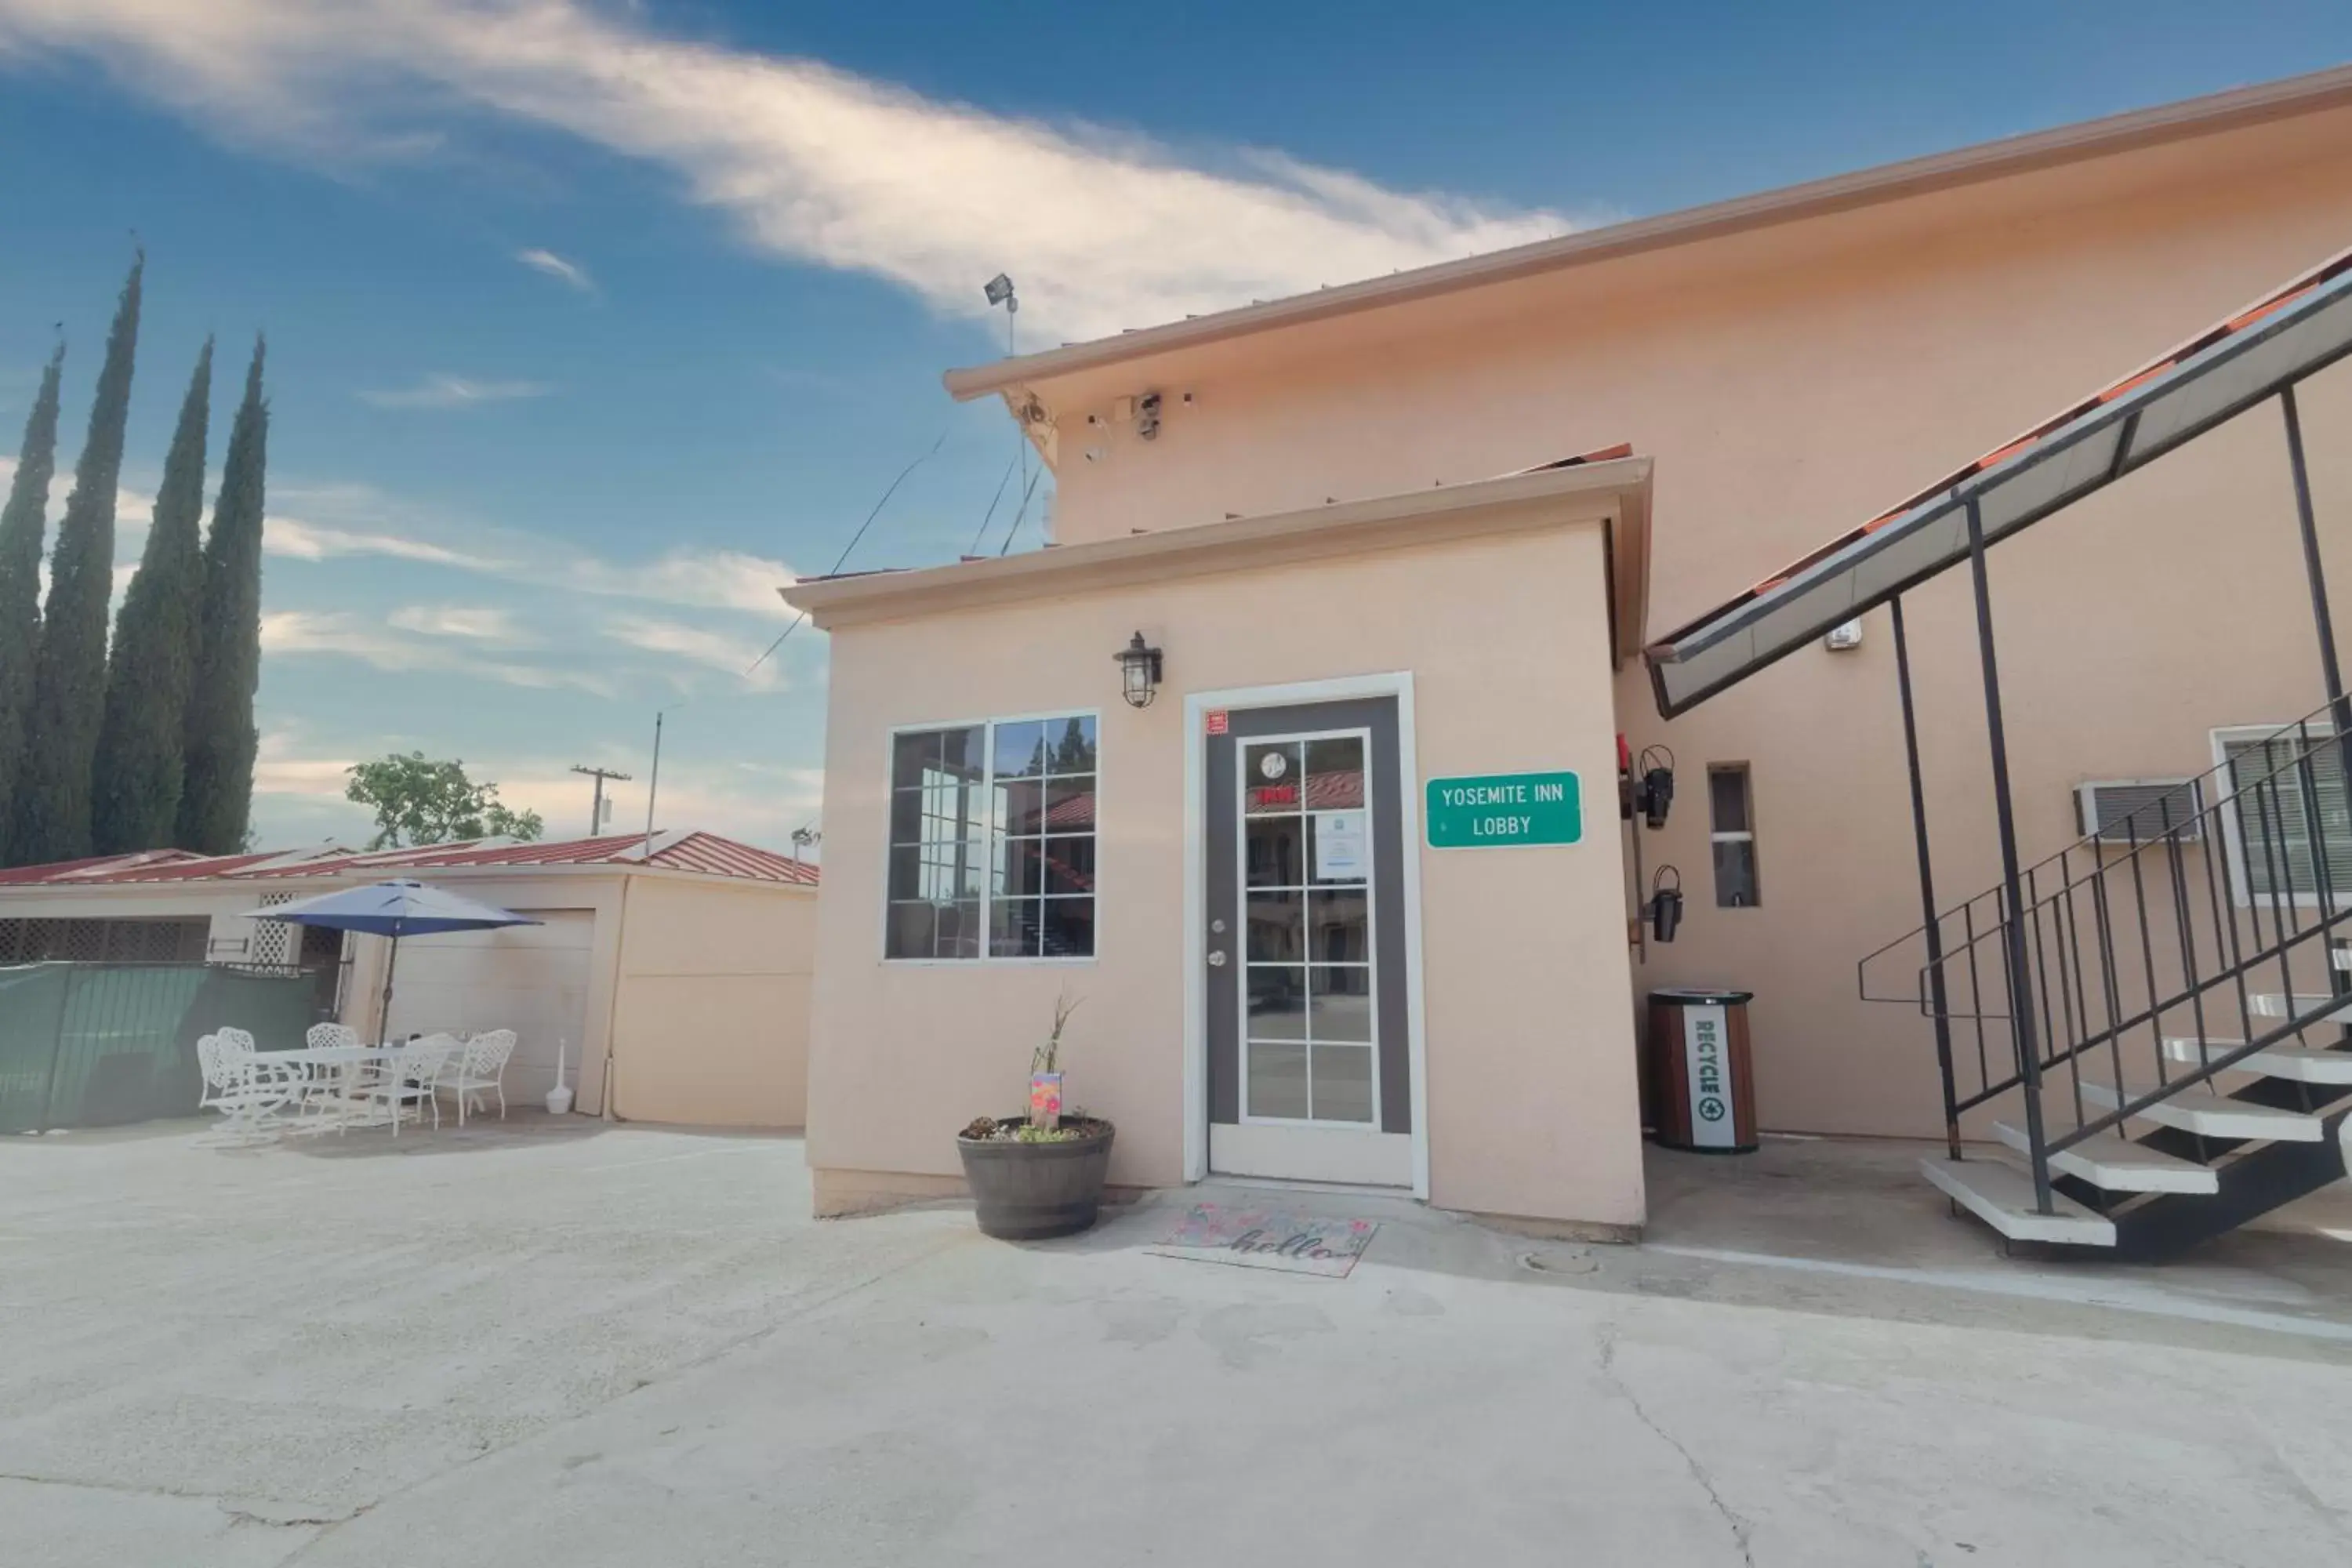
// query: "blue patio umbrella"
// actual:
[[394, 909]]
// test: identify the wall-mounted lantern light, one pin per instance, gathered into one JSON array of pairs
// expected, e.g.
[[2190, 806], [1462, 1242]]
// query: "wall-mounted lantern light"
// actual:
[[1139, 672]]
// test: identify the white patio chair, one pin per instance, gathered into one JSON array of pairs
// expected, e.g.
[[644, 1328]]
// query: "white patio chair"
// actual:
[[481, 1067], [334, 1094], [252, 1093], [409, 1079]]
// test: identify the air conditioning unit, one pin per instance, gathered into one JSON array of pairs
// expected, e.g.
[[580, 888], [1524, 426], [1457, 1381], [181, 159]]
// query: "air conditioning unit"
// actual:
[[2124, 811]]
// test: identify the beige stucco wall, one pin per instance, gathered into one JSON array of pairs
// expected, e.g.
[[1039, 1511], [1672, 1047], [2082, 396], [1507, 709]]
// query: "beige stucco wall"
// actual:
[[1791, 383], [710, 1018], [1529, 1046]]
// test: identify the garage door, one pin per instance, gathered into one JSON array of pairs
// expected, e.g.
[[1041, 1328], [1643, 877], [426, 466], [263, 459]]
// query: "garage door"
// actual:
[[531, 979]]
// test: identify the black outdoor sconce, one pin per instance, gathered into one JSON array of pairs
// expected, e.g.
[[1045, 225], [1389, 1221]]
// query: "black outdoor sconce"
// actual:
[[1139, 672], [1665, 905], [1657, 791]]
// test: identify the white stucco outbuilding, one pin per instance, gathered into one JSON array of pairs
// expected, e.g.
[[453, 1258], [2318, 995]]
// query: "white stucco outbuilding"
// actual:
[[672, 973]]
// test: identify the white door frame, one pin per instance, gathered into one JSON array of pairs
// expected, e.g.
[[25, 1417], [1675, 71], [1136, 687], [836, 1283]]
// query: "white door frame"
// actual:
[[1397, 684]]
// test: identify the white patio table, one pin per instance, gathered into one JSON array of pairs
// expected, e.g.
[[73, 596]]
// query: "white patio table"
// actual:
[[354, 1061]]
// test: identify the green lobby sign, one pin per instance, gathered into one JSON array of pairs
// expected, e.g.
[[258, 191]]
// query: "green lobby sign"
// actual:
[[1495, 810]]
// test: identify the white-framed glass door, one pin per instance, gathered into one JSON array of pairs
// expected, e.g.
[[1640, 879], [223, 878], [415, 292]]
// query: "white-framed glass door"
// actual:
[[1309, 1035]]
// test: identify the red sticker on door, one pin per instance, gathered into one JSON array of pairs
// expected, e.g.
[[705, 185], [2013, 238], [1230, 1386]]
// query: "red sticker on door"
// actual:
[[1216, 720]]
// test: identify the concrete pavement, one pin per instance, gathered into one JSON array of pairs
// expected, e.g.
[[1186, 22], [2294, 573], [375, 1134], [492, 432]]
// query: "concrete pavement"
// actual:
[[625, 1346]]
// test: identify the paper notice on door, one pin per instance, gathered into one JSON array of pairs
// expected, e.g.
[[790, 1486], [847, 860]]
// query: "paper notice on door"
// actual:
[[1340, 852]]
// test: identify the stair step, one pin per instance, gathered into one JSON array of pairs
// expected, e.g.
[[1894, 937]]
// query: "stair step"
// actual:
[[2210, 1115], [2302, 1064], [2001, 1196], [2276, 1005], [2118, 1165]]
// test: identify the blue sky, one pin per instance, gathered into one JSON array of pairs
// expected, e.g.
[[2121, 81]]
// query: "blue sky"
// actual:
[[590, 323]]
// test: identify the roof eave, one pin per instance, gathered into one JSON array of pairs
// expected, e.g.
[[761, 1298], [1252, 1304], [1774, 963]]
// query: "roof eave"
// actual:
[[2207, 115]]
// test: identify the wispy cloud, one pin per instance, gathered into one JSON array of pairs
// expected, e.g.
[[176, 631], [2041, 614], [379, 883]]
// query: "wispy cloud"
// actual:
[[341, 519], [696, 645], [488, 625], [443, 391], [1102, 230], [557, 268], [335, 634], [300, 541]]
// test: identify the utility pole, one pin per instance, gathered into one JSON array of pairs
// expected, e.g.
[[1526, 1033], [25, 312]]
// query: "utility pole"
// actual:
[[596, 806]]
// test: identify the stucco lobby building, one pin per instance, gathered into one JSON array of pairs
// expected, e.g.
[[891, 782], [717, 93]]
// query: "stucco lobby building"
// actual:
[[1403, 538]]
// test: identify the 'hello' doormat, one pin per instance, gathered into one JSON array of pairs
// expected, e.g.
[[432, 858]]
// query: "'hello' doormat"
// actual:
[[1269, 1238]]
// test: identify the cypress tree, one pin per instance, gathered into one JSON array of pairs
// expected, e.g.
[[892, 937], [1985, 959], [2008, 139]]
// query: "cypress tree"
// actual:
[[216, 800], [153, 665], [69, 676], [23, 522]]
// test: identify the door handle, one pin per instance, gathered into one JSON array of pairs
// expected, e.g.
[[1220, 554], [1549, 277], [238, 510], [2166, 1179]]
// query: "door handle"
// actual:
[[1217, 957]]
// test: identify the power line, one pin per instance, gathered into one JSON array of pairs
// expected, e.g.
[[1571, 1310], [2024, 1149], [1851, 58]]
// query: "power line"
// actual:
[[843, 559]]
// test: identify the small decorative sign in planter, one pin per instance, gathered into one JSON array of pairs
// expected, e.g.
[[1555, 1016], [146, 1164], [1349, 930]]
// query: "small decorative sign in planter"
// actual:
[[1044, 1100]]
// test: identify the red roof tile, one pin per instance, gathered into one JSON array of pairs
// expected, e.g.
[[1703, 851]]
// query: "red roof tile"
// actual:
[[706, 853]]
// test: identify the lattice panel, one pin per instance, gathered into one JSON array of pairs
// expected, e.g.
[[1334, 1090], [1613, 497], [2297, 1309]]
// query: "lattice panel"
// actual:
[[272, 941], [15, 942], [84, 942]]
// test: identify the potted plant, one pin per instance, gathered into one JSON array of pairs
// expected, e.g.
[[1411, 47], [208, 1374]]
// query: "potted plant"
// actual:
[[1040, 1175]]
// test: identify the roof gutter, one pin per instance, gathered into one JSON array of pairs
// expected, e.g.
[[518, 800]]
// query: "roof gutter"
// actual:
[[2205, 116]]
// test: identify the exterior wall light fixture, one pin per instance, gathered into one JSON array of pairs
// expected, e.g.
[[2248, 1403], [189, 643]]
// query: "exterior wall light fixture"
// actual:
[[1139, 672]]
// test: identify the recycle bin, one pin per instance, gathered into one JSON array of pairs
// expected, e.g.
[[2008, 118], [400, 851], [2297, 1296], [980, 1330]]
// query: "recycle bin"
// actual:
[[1703, 1089]]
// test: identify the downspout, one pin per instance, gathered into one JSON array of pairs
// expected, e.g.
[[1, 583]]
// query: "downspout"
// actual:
[[612, 1008]]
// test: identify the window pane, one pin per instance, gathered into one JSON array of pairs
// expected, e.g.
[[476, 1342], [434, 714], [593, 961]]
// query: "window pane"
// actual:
[[962, 754], [912, 930], [1726, 791], [911, 756], [1342, 1008], [1070, 745], [1019, 868], [1272, 857], [1277, 1080], [1020, 751], [905, 816], [1277, 927], [1070, 865], [1277, 1003], [952, 871], [1343, 1083], [1735, 873], [1335, 773], [1021, 805], [1069, 928], [1070, 804], [1013, 927], [2275, 813], [1338, 927], [1270, 777], [960, 929]]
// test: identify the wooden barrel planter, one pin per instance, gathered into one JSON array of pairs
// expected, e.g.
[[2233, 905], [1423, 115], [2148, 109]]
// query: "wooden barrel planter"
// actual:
[[1027, 1192]]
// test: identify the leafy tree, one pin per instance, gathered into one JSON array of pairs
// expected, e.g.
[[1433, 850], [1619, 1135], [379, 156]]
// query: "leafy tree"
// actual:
[[216, 791], [138, 774], [23, 522], [418, 800], [69, 675]]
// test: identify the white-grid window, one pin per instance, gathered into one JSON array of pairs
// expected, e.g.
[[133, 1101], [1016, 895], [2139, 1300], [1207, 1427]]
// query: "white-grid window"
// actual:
[[992, 840], [2286, 804], [1731, 824]]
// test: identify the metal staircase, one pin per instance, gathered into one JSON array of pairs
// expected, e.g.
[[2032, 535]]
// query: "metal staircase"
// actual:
[[2151, 1024]]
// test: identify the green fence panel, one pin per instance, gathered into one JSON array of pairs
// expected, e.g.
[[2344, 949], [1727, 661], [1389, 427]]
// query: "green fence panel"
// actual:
[[32, 1003], [96, 1045]]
